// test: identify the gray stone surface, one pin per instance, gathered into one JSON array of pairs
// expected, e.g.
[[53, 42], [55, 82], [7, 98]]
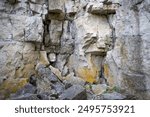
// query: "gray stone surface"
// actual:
[[28, 88], [130, 56], [55, 29], [75, 92], [56, 6], [26, 97], [112, 96], [99, 88], [59, 87]]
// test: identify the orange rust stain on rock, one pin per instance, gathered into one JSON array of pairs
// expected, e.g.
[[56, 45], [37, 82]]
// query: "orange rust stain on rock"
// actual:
[[12, 86], [106, 70], [87, 74], [26, 71], [108, 75]]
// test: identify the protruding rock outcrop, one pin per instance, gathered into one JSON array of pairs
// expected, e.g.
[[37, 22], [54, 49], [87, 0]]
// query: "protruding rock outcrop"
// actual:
[[103, 9]]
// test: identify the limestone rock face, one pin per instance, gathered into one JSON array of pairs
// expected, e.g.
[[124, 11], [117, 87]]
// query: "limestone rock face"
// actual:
[[55, 29], [105, 42], [103, 9], [34, 29], [56, 6], [128, 63]]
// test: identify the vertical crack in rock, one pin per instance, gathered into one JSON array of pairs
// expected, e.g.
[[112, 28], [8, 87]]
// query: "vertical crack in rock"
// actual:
[[113, 35]]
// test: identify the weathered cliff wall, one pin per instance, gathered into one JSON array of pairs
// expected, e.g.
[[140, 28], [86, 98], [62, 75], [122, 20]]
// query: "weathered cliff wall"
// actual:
[[128, 62], [100, 45]]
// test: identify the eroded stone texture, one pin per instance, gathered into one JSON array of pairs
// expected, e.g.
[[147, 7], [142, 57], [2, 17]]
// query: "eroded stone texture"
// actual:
[[55, 29], [130, 54], [56, 6], [76, 92], [74, 42], [90, 45], [103, 9], [21, 28], [20, 34]]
